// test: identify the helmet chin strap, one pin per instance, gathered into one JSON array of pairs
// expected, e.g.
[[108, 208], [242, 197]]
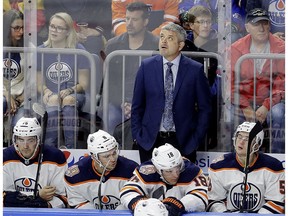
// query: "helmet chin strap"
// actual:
[[27, 160]]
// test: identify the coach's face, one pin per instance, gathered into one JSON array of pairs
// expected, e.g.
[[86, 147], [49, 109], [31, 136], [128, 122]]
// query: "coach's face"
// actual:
[[26, 145], [169, 44]]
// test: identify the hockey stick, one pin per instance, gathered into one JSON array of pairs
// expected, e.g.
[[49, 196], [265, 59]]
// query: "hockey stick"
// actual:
[[100, 184], [252, 134], [39, 109]]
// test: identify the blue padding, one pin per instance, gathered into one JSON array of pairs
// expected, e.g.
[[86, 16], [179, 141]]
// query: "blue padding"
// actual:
[[80, 212]]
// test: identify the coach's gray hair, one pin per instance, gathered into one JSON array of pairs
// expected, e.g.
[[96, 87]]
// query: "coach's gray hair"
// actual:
[[180, 31]]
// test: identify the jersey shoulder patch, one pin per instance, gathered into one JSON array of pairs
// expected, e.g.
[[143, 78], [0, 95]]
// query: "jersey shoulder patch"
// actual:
[[147, 169], [72, 171], [220, 158]]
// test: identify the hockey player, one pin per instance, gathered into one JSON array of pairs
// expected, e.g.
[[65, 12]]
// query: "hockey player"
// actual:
[[95, 181], [150, 207], [20, 169], [265, 186], [177, 182]]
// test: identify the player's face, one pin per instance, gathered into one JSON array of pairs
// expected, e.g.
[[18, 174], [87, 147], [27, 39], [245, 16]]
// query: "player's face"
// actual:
[[172, 175], [241, 143], [109, 157], [135, 22], [58, 30], [201, 27], [169, 45], [26, 145], [259, 31], [17, 30]]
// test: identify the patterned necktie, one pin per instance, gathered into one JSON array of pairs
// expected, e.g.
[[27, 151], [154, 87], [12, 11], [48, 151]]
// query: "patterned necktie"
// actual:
[[168, 123]]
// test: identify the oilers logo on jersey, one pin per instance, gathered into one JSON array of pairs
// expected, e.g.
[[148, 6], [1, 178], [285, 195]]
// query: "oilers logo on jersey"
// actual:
[[25, 185], [11, 69], [108, 202], [253, 196], [59, 71]]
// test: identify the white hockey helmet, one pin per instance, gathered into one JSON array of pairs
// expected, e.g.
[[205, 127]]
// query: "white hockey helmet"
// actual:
[[27, 127], [150, 207], [166, 157], [247, 127], [100, 142]]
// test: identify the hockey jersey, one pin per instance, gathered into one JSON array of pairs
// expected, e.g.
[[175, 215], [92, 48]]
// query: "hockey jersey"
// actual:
[[191, 188], [264, 190], [82, 183], [169, 8], [20, 174]]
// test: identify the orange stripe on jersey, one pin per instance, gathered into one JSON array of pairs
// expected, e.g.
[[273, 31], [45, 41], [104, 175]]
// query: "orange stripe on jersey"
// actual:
[[200, 193], [81, 204], [276, 207], [139, 176], [269, 170], [130, 188]]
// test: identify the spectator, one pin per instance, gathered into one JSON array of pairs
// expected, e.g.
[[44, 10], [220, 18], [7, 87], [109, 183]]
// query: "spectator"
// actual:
[[20, 169], [103, 169], [13, 74], [260, 40], [137, 37], [182, 119], [177, 182], [19, 5], [67, 96], [237, 15], [163, 11], [276, 13], [95, 13], [204, 39], [150, 207], [265, 177]]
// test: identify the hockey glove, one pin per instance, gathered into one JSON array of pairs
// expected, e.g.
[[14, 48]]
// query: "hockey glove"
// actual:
[[174, 206], [18, 199]]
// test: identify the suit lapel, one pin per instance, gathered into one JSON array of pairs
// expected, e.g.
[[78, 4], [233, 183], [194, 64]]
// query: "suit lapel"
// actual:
[[159, 72], [182, 70]]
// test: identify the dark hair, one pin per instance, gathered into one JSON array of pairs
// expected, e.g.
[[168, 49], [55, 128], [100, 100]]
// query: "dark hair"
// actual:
[[136, 6], [8, 19]]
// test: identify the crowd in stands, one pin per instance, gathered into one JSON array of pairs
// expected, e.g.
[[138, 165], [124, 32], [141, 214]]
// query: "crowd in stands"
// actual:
[[101, 27]]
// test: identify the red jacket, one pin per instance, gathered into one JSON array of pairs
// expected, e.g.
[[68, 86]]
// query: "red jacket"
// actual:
[[170, 8], [246, 86]]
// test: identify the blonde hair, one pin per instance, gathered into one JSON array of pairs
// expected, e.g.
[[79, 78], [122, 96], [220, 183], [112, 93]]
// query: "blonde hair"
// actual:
[[71, 39]]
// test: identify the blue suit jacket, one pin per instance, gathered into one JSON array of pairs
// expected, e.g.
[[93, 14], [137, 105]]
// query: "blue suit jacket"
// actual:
[[191, 106]]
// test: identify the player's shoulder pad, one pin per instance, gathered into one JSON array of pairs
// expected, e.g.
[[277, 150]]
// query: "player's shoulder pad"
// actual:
[[82, 167], [9, 153], [189, 173], [148, 172], [124, 168], [52, 154], [224, 161], [265, 160]]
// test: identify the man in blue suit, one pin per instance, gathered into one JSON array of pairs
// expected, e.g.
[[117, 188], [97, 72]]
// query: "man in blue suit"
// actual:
[[191, 106]]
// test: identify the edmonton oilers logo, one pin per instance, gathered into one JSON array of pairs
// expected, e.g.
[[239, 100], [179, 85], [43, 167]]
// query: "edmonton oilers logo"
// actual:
[[25, 184], [11, 68], [108, 202], [252, 200], [277, 13], [59, 72]]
